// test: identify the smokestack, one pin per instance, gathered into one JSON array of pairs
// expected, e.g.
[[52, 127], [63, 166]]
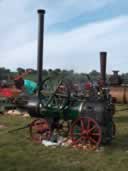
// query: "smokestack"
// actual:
[[103, 58], [41, 13], [115, 72]]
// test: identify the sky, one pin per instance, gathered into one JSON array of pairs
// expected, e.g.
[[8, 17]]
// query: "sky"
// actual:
[[75, 32]]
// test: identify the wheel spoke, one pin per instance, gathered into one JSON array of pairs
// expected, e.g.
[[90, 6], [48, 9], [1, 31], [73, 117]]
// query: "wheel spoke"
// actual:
[[96, 134], [77, 140], [88, 125], [92, 140], [82, 124], [92, 128], [80, 139]]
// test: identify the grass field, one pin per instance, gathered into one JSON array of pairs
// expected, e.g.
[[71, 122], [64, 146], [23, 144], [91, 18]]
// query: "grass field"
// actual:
[[19, 153]]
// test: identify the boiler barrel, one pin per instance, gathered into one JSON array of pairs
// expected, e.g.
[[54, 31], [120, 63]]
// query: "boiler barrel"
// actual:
[[120, 94]]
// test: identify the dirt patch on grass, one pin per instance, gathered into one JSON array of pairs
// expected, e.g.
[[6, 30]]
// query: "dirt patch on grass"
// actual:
[[2, 126]]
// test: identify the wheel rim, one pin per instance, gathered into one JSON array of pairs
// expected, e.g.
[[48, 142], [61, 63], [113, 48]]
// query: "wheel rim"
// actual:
[[84, 131], [40, 130]]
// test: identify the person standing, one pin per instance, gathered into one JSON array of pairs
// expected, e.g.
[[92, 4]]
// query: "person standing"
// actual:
[[25, 85]]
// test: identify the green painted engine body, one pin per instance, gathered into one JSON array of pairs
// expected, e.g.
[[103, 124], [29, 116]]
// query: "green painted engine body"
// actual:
[[69, 112], [59, 107]]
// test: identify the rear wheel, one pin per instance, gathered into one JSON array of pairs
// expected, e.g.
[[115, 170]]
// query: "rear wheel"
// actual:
[[85, 131]]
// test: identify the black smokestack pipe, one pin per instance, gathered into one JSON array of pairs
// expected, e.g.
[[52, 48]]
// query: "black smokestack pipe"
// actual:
[[41, 13], [115, 72], [103, 58]]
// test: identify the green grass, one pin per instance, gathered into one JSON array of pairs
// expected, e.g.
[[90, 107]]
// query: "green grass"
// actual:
[[19, 153]]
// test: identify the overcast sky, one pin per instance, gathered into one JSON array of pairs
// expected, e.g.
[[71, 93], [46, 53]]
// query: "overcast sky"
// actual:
[[75, 32]]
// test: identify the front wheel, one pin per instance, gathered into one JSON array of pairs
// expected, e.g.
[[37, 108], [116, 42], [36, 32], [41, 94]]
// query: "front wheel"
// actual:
[[40, 130]]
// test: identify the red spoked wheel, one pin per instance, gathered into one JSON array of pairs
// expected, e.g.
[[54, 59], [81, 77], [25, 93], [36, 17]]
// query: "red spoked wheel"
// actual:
[[85, 131], [40, 130]]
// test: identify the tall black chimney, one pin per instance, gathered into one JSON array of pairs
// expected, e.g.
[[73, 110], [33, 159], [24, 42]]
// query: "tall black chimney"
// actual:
[[41, 13], [103, 58]]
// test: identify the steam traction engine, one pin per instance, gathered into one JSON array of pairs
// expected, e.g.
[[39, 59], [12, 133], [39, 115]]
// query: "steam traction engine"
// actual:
[[91, 117], [90, 114]]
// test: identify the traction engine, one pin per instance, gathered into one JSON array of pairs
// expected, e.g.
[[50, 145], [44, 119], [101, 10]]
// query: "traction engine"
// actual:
[[90, 114]]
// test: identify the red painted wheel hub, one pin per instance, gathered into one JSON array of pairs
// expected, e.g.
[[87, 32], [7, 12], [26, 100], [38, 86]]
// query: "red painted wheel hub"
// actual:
[[40, 130], [84, 131]]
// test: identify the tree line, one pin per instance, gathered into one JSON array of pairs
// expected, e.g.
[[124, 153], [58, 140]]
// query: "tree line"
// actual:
[[59, 74]]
